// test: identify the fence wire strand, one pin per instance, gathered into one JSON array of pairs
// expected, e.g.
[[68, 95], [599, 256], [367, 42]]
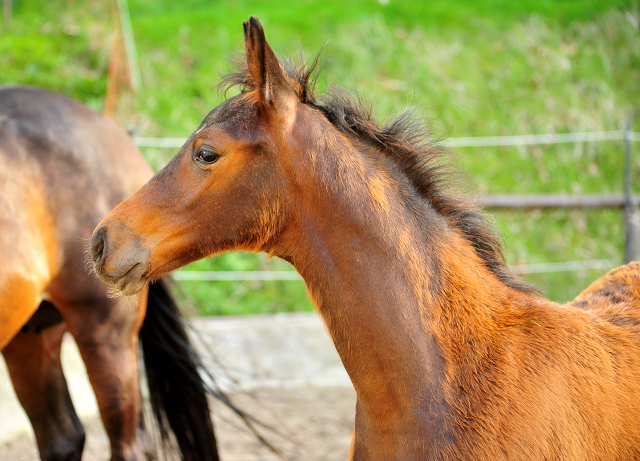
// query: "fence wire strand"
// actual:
[[478, 141]]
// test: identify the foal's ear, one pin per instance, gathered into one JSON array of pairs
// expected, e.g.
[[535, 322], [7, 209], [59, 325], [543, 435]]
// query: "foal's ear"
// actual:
[[268, 75]]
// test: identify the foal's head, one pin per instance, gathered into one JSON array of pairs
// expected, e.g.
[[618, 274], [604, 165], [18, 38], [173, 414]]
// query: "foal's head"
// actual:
[[227, 187], [260, 156]]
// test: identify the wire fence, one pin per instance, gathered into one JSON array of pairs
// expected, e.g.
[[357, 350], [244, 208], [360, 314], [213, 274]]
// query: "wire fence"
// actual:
[[533, 139], [245, 276], [529, 201], [479, 141]]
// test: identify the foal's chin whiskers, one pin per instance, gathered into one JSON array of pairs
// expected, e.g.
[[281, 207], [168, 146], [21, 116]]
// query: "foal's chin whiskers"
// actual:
[[114, 293], [130, 301]]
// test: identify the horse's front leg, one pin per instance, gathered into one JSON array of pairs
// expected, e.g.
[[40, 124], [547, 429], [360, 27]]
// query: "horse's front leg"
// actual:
[[352, 446], [33, 361], [106, 333]]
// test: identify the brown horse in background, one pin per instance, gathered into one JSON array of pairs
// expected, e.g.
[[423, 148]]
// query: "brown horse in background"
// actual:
[[451, 355], [62, 168]]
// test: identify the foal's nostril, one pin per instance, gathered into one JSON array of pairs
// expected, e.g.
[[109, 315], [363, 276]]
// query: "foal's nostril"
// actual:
[[98, 247], [97, 251]]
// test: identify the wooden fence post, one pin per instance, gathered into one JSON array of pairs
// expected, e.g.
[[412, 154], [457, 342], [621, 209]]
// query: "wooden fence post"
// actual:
[[6, 12], [631, 212], [123, 61]]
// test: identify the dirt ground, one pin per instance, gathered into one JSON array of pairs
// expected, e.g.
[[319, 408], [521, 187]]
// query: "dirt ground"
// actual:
[[314, 424]]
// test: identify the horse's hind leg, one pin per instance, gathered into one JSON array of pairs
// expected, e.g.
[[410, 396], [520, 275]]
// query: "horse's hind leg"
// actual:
[[106, 332], [33, 361]]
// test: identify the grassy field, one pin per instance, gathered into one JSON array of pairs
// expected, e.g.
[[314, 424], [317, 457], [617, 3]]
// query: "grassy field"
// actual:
[[473, 68]]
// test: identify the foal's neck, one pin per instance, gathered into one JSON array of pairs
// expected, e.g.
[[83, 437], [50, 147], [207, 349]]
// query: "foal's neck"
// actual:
[[389, 280]]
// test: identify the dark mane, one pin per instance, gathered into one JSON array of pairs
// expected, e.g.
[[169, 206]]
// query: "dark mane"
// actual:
[[405, 140]]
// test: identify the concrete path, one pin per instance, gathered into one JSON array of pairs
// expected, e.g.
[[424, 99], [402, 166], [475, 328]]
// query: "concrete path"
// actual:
[[279, 351]]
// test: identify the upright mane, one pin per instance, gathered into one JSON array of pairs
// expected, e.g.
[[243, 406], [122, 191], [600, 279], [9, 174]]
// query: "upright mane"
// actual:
[[406, 141]]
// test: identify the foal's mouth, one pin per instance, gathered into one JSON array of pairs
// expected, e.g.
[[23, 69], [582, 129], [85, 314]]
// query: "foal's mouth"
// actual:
[[132, 281], [128, 283]]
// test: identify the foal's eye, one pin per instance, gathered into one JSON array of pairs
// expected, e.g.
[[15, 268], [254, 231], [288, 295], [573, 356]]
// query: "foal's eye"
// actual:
[[206, 156]]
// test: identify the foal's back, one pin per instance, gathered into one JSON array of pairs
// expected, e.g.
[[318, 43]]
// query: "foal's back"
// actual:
[[615, 297], [593, 377], [613, 302], [564, 380]]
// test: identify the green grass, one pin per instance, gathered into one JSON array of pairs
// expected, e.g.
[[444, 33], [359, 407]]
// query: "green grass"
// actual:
[[473, 68]]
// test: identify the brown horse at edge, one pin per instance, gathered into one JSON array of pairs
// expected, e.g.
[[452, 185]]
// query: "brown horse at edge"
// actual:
[[452, 356], [62, 168]]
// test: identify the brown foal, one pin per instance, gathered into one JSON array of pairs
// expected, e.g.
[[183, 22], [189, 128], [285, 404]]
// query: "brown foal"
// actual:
[[451, 355]]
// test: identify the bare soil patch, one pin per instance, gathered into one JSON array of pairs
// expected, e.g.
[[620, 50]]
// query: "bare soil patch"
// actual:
[[312, 424]]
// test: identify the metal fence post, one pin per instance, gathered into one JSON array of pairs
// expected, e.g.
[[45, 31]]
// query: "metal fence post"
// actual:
[[631, 213]]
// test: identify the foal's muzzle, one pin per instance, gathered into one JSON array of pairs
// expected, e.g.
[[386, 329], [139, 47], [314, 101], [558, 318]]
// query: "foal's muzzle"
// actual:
[[118, 258]]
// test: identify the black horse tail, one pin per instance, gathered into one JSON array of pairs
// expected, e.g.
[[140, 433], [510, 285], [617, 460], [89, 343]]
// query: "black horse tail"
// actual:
[[177, 392]]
